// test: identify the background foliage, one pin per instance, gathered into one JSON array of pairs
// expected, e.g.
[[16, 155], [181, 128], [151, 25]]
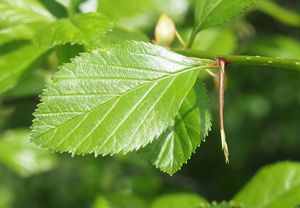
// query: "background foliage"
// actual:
[[261, 108]]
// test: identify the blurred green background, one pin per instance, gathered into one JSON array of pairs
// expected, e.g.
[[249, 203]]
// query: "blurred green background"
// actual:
[[262, 115]]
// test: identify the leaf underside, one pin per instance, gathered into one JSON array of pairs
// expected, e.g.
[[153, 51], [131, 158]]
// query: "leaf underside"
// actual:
[[113, 100], [190, 126]]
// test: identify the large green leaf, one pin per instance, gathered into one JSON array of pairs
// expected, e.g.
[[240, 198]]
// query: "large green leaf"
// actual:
[[13, 64], [209, 13], [86, 29], [114, 100], [190, 126], [21, 156], [179, 200], [275, 186]]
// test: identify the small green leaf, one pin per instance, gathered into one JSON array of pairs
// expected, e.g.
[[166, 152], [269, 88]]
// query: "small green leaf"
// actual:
[[11, 70], [209, 13], [191, 125], [23, 12], [85, 29], [179, 200], [18, 154], [275, 186], [114, 100], [20, 19]]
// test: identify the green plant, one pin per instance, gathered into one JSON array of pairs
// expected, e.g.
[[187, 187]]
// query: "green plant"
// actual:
[[115, 92]]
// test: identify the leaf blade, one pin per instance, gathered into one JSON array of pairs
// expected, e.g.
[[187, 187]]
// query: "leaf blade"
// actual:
[[21, 19], [23, 157], [117, 96], [190, 126], [279, 186], [85, 29], [209, 13]]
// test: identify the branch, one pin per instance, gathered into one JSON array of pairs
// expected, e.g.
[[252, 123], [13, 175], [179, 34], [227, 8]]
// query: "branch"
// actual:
[[282, 63]]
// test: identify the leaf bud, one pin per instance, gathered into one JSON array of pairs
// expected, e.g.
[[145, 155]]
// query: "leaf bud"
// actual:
[[165, 31]]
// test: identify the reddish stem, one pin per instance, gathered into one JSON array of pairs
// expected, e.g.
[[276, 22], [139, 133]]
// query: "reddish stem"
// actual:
[[221, 63]]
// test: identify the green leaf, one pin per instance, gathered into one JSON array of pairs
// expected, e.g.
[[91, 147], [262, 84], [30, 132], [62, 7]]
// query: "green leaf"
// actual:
[[114, 100], [18, 154], [23, 12], [210, 13], [275, 186], [85, 29], [179, 200], [220, 41], [30, 85], [15, 32], [20, 19], [11, 70], [190, 126], [92, 30]]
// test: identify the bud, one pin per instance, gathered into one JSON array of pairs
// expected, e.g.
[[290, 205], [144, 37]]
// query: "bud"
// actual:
[[165, 31]]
